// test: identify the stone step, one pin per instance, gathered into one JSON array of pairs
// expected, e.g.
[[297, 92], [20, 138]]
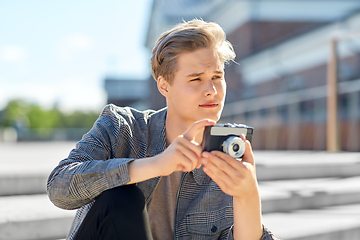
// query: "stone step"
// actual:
[[32, 217], [290, 181], [25, 166], [304, 171], [280, 165], [290, 195], [331, 223], [22, 182], [38, 218]]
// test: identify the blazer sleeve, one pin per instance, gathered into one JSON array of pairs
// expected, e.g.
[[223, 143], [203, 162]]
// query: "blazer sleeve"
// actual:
[[92, 167]]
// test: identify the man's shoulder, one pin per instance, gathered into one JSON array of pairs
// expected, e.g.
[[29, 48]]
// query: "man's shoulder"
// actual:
[[131, 115]]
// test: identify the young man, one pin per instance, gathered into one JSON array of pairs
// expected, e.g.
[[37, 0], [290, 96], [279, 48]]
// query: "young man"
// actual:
[[143, 175]]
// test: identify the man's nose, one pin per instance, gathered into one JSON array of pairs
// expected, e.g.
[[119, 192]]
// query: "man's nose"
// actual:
[[210, 88]]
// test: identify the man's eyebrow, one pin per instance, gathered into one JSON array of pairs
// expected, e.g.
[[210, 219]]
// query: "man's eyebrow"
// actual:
[[196, 74]]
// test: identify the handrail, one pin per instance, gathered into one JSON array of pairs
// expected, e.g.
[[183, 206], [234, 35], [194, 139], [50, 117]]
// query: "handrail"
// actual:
[[281, 99]]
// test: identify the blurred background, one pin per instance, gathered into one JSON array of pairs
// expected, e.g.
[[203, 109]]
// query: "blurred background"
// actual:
[[296, 80], [61, 62]]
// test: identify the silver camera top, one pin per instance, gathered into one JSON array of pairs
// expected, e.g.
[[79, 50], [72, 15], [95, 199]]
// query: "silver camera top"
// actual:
[[228, 129]]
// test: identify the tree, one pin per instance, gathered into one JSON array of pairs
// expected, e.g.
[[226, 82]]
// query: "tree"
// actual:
[[22, 114]]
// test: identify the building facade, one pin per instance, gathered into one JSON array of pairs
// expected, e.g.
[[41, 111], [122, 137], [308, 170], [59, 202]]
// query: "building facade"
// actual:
[[278, 84]]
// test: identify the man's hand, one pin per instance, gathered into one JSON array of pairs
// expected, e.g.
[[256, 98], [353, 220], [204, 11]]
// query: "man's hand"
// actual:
[[235, 177], [238, 179], [183, 154]]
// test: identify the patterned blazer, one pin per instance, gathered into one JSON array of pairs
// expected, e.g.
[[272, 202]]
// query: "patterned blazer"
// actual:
[[100, 162]]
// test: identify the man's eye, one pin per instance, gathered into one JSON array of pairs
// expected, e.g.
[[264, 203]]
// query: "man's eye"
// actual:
[[195, 79], [216, 77]]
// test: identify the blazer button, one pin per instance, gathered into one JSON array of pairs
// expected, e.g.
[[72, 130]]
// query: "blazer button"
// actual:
[[213, 229]]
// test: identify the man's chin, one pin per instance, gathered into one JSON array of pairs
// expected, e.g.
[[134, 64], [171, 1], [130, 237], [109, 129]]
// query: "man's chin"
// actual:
[[212, 116]]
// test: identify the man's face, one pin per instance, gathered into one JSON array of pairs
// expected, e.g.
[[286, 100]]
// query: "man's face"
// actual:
[[198, 88]]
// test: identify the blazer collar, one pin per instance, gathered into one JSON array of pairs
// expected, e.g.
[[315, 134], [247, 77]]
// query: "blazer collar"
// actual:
[[157, 136], [200, 176]]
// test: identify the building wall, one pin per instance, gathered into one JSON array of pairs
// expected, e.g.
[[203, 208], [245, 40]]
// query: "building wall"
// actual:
[[278, 83], [297, 120], [254, 36], [156, 100]]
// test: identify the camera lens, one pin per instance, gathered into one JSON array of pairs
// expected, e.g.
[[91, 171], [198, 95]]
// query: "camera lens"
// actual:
[[236, 147]]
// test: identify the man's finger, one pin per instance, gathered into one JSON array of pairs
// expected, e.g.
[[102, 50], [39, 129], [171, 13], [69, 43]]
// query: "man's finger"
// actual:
[[191, 157], [190, 134], [248, 154]]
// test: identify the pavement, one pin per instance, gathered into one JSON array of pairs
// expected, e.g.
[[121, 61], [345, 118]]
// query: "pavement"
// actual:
[[305, 194]]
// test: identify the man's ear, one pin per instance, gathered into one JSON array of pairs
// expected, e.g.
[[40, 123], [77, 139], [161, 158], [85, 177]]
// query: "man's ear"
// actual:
[[163, 86]]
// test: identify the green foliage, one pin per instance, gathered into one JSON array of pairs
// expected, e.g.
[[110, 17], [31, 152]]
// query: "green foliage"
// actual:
[[15, 113], [20, 113], [78, 119]]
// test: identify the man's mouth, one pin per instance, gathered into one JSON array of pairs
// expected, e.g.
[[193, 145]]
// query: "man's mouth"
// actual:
[[209, 105]]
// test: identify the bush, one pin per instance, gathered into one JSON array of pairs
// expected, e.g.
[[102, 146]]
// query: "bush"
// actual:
[[22, 114]]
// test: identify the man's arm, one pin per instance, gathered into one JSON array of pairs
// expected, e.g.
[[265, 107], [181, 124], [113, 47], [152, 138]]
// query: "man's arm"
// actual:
[[92, 166], [84, 175]]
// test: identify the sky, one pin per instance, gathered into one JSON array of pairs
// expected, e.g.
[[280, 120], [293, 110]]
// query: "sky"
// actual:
[[59, 52]]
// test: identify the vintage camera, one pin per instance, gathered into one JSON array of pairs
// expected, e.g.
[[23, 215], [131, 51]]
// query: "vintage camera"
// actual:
[[226, 138]]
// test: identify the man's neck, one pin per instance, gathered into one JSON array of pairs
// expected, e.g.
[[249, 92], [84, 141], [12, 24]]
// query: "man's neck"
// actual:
[[175, 127]]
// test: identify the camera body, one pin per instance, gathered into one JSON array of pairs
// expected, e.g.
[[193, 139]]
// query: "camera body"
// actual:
[[226, 138]]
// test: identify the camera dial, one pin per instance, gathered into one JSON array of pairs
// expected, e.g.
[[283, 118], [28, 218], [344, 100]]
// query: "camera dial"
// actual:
[[234, 146]]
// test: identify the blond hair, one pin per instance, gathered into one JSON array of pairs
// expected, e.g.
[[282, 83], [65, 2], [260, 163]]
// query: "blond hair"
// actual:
[[187, 37]]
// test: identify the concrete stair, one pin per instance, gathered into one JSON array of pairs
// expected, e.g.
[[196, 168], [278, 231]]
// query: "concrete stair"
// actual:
[[305, 195], [25, 210], [33, 217], [310, 195]]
